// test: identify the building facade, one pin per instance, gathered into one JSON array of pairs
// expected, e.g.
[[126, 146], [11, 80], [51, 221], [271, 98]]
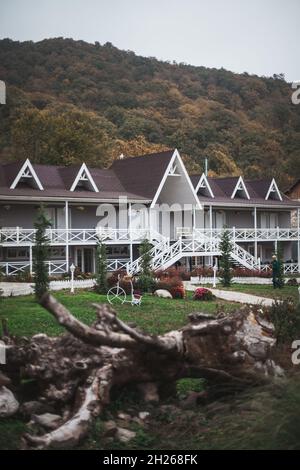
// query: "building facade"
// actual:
[[151, 196]]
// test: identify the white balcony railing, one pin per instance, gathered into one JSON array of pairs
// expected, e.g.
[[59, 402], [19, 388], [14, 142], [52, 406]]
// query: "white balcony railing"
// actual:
[[249, 234], [11, 268], [13, 236]]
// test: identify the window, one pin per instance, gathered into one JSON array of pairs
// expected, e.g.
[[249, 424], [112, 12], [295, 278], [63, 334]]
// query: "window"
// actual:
[[57, 252], [16, 253]]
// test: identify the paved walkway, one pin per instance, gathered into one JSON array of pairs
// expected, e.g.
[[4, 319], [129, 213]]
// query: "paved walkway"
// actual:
[[16, 288], [232, 296], [242, 298]]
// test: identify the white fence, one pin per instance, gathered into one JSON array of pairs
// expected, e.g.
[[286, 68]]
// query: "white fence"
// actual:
[[14, 289], [236, 280], [19, 267], [78, 284], [55, 268]]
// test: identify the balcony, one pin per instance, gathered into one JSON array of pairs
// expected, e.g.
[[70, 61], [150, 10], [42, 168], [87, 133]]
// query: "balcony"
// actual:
[[55, 268], [17, 236], [243, 234], [14, 236]]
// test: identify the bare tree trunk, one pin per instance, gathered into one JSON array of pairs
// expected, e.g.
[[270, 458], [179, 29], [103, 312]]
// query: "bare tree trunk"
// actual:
[[75, 372]]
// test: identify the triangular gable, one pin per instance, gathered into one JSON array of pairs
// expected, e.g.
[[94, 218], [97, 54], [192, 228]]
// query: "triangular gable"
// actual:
[[273, 191], [27, 175], [173, 168], [240, 190], [203, 187], [84, 179]]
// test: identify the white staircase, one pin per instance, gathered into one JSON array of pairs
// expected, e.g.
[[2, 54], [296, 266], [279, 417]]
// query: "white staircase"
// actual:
[[244, 258], [164, 254]]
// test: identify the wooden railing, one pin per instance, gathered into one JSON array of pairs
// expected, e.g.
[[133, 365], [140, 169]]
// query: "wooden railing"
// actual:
[[14, 236]]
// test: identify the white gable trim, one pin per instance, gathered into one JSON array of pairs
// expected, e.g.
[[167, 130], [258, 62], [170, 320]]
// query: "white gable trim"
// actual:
[[27, 166], [240, 186], [204, 180], [84, 169], [167, 173], [273, 187]]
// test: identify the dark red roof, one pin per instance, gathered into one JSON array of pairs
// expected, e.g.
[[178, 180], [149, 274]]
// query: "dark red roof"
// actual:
[[137, 178], [143, 174], [223, 188], [291, 188]]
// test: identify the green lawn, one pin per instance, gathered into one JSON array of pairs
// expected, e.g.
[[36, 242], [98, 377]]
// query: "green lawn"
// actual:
[[215, 426], [266, 291], [25, 317]]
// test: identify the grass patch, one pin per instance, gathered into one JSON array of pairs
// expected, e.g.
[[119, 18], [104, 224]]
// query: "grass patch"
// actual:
[[26, 317], [184, 386], [287, 292]]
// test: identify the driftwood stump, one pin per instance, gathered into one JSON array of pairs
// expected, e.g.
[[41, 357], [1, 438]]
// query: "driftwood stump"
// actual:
[[75, 372]]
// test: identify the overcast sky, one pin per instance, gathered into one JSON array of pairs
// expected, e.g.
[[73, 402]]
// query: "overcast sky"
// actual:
[[257, 36]]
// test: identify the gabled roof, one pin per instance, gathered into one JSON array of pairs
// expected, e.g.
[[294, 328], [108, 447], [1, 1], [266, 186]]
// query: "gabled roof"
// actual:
[[240, 188], [84, 176], [273, 189], [292, 187], [138, 178], [27, 174], [203, 186], [57, 181], [223, 188], [175, 168], [142, 175]]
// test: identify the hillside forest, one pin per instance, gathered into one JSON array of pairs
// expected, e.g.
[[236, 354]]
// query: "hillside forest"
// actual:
[[69, 101]]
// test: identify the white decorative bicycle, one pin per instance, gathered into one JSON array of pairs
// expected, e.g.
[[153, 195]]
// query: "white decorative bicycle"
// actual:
[[117, 295]]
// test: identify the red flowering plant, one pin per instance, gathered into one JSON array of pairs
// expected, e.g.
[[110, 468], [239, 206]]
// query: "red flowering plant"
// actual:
[[178, 292], [201, 293]]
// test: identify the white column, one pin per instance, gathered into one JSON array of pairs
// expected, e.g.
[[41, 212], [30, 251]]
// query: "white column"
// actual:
[[67, 234], [210, 228], [129, 227], [129, 216], [30, 259], [255, 233], [298, 226], [131, 252]]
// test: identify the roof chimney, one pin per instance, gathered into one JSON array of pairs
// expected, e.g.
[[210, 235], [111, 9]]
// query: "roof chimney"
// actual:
[[206, 166], [121, 157]]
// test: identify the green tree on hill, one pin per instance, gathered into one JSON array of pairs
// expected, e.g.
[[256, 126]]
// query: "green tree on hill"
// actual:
[[41, 254]]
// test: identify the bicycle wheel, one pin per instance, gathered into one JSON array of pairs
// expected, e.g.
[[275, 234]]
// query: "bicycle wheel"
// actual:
[[116, 295]]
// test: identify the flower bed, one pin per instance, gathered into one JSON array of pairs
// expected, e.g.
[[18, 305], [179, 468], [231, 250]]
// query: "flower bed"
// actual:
[[201, 293]]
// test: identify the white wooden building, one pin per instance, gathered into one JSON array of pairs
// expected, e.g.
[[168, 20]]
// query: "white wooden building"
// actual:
[[151, 196]]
